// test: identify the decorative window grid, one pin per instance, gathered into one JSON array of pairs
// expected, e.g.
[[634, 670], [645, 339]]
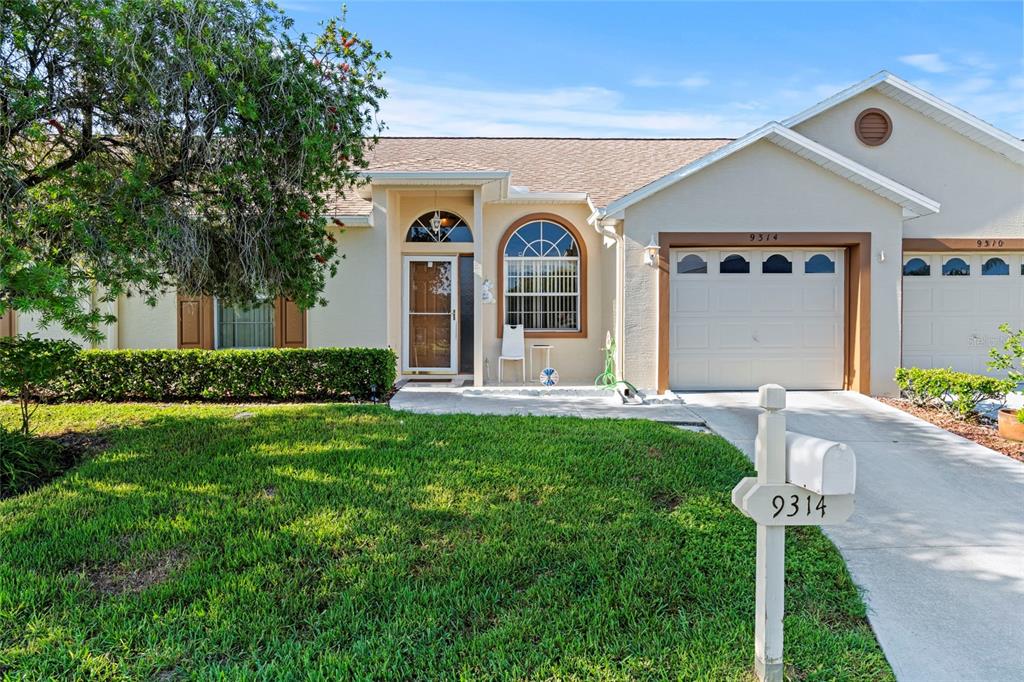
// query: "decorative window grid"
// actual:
[[542, 278], [452, 229], [542, 294], [239, 327]]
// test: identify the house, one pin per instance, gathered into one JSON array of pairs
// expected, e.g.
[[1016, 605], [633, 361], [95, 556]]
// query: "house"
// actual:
[[881, 227]]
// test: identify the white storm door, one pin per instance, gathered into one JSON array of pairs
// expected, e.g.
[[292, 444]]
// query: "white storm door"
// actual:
[[745, 317], [429, 302]]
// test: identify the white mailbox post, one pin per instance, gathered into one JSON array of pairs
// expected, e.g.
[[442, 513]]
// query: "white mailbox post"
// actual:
[[801, 481]]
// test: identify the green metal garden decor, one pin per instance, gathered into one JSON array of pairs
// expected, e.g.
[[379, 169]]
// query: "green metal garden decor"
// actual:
[[606, 379]]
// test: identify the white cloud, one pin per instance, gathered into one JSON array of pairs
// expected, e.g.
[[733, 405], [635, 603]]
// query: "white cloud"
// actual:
[[930, 62], [998, 102], [976, 84], [688, 83], [414, 108], [439, 104]]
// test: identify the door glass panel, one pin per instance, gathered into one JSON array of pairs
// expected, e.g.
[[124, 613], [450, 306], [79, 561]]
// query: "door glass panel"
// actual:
[[430, 318], [466, 314]]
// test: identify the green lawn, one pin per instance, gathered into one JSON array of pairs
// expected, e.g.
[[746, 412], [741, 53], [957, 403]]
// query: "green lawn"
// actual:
[[332, 542]]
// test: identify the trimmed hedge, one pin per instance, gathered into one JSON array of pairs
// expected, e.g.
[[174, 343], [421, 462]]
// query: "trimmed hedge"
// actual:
[[959, 393], [264, 374]]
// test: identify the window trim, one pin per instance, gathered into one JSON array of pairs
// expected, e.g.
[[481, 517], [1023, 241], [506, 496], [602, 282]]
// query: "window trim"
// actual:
[[745, 255], [581, 333], [1005, 261], [703, 255], [924, 258], [810, 254], [788, 255], [965, 259]]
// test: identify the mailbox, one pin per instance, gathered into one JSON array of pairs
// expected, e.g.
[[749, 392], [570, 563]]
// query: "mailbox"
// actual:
[[801, 481], [821, 466]]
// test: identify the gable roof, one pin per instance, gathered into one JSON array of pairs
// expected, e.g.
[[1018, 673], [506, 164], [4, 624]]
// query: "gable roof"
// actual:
[[927, 104], [603, 168], [914, 204]]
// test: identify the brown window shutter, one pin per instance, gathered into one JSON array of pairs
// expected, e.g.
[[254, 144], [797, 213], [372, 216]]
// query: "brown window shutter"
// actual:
[[7, 323], [289, 324], [195, 322]]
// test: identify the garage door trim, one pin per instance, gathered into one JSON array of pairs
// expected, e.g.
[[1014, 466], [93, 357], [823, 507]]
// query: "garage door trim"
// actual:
[[994, 244], [857, 289]]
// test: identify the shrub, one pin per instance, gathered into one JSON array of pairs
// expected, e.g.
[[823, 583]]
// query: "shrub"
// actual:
[[265, 374], [959, 393], [26, 460], [30, 366], [1010, 358]]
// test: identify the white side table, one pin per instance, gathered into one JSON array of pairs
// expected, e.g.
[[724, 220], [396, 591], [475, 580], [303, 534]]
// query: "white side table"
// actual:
[[546, 349]]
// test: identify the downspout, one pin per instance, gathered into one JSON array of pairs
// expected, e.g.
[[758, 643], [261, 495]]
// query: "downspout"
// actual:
[[610, 230]]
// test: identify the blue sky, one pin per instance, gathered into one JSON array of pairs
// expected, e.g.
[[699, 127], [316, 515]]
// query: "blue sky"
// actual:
[[673, 69]]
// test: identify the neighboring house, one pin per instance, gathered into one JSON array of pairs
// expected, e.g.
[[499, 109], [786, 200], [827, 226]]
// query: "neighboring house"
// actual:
[[880, 227]]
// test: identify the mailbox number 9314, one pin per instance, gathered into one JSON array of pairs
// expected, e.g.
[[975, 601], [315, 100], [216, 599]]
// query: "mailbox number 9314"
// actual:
[[795, 505]]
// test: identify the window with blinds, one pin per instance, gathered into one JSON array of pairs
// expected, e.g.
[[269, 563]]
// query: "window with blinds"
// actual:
[[542, 278], [239, 327]]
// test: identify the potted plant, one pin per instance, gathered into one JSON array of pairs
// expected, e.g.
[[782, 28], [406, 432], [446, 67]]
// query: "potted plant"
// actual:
[[1011, 360]]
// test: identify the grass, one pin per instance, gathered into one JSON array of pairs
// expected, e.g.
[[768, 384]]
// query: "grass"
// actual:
[[328, 542]]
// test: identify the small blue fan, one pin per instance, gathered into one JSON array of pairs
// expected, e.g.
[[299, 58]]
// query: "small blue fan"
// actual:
[[548, 376]]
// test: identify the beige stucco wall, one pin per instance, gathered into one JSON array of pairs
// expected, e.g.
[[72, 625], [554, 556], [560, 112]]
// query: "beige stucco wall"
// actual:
[[355, 314], [762, 187], [578, 360], [30, 323], [981, 192], [143, 326]]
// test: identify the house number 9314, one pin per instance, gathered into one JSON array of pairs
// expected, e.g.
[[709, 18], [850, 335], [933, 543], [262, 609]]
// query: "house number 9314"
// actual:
[[764, 236], [795, 505]]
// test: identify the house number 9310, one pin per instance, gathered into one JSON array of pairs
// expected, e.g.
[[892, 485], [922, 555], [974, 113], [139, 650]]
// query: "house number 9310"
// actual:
[[988, 243], [795, 505]]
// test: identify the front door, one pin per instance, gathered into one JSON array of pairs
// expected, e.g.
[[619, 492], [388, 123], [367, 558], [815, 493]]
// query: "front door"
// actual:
[[430, 300]]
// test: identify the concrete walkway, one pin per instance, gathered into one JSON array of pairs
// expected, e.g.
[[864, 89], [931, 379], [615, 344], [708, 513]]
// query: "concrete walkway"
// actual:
[[937, 538], [559, 402]]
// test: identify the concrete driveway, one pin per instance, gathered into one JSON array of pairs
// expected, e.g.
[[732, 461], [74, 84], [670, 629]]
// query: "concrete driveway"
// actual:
[[937, 538]]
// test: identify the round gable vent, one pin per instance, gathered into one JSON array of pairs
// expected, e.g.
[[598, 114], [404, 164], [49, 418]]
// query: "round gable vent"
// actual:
[[873, 127]]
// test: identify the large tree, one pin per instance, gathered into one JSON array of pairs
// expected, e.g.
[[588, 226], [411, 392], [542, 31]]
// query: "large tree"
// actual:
[[150, 144]]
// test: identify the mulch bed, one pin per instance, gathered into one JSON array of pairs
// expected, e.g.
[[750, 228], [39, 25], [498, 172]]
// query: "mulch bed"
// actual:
[[981, 432]]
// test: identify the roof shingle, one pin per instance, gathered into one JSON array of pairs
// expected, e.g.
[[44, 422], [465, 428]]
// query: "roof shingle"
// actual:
[[605, 168]]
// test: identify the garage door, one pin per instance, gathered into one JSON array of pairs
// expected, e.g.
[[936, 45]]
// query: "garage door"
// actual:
[[742, 318], [953, 304]]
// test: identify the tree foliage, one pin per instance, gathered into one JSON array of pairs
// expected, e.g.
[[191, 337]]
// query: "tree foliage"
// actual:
[[31, 366], [150, 144]]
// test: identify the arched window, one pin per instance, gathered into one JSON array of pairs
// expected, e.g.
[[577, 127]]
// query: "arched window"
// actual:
[[439, 226], [691, 264], [777, 264], [543, 265], [917, 267], [819, 264], [734, 264], [995, 266], [956, 267]]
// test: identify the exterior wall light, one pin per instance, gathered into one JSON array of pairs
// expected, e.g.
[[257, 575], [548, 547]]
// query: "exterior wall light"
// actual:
[[651, 253]]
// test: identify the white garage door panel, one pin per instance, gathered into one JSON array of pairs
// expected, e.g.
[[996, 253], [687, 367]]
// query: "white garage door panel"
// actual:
[[738, 331], [952, 321]]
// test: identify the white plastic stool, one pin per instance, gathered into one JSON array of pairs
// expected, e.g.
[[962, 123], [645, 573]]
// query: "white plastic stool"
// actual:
[[546, 348]]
